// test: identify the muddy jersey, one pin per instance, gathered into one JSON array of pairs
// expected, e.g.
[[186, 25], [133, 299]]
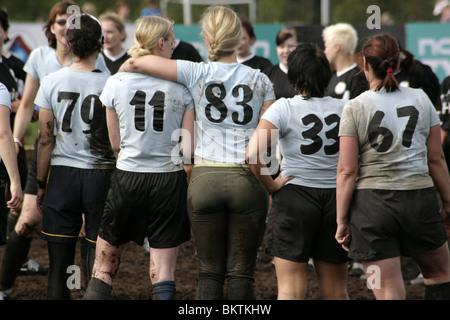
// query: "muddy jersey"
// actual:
[[308, 139], [228, 98], [81, 134], [42, 61], [392, 131], [150, 112]]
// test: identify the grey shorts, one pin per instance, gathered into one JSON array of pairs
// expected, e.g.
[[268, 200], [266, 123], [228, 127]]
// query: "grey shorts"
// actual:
[[391, 223]]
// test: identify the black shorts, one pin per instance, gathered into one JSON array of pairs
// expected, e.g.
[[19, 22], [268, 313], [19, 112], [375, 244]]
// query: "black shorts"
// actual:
[[151, 205], [70, 193], [31, 186], [391, 223], [302, 224]]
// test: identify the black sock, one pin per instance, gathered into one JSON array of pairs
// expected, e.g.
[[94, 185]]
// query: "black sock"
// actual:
[[164, 290], [15, 254], [61, 256], [437, 291], [98, 290], [11, 223]]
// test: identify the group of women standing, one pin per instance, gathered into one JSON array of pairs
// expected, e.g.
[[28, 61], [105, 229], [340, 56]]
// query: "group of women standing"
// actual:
[[356, 176]]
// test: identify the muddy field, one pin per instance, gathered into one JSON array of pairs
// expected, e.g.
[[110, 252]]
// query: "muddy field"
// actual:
[[132, 281]]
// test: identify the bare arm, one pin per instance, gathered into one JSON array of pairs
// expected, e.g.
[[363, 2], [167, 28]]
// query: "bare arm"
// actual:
[[260, 141], [9, 158], [187, 140], [438, 168], [112, 121], [152, 65], [26, 107], [347, 171], [45, 147], [265, 106]]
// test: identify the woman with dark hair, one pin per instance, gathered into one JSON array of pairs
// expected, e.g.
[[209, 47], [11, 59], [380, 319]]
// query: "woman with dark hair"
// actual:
[[302, 219], [287, 40], [390, 163], [41, 62], [244, 54], [73, 140]]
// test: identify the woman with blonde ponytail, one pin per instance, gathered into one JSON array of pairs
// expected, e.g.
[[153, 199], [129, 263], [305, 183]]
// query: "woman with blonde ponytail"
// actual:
[[146, 118], [226, 203], [390, 162]]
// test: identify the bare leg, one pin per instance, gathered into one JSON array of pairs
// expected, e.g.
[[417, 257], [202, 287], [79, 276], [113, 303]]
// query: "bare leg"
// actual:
[[387, 278], [162, 264], [332, 280], [291, 279], [107, 260]]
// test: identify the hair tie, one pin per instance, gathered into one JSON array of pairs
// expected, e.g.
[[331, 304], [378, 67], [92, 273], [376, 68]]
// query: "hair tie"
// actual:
[[390, 70]]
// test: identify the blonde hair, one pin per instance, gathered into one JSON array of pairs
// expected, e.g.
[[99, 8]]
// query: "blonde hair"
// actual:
[[343, 34], [221, 28], [148, 31], [116, 19]]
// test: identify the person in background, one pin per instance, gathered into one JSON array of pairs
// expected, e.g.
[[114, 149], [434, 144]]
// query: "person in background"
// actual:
[[287, 40], [347, 81], [244, 53], [442, 8], [151, 9], [123, 10], [113, 51], [390, 166], [13, 196], [302, 218]]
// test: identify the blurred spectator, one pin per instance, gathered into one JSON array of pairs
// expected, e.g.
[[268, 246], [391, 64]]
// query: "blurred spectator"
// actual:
[[151, 9], [442, 8], [123, 9], [185, 51], [89, 8]]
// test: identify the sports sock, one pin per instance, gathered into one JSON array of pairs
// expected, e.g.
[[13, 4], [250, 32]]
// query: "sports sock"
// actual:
[[164, 290], [15, 254], [437, 291], [61, 256], [98, 290]]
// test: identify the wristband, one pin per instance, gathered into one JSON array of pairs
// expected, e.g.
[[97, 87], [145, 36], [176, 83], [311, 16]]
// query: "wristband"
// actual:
[[18, 142], [41, 184]]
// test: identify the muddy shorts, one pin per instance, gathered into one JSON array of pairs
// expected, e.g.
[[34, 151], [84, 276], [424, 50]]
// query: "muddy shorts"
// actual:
[[302, 224], [70, 193], [391, 223], [151, 205]]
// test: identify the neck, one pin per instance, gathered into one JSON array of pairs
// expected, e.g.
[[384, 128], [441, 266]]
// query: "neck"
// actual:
[[113, 52], [244, 55], [85, 64], [228, 59], [343, 62]]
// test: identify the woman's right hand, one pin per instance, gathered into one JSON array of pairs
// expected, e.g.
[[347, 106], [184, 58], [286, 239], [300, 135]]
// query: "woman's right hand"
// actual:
[[343, 235]]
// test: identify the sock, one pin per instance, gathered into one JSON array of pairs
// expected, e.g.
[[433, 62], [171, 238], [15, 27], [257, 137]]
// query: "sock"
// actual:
[[98, 290], [90, 259], [164, 290], [61, 256], [437, 291], [11, 223], [15, 254]]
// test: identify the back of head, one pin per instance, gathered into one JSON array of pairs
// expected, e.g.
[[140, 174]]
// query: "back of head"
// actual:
[[382, 52], [60, 8], [87, 39], [309, 71], [148, 31], [221, 28], [342, 34]]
